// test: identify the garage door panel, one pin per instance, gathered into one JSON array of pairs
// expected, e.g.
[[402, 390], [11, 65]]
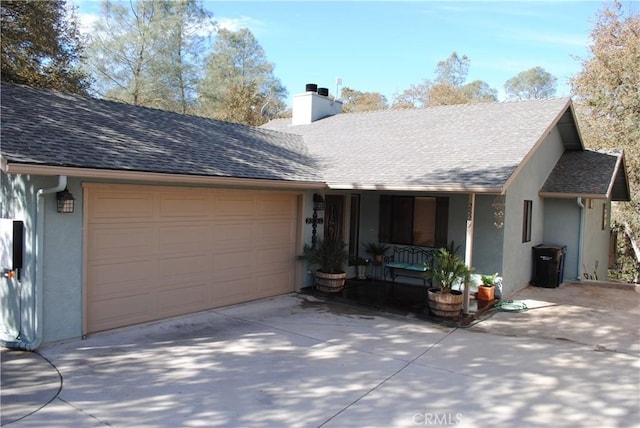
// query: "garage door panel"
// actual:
[[109, 241], [282, 207], [234, 291], [233, 207], [119, 312], [232, 235], [184, 267], [115, 205], [186, 299], [119, 277], [154, 252], [274, 232], [184, 237], [275, 257], [191, 205]]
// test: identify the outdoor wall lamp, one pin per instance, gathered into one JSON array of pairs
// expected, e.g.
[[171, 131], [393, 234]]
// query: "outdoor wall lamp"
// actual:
[[66, 201]]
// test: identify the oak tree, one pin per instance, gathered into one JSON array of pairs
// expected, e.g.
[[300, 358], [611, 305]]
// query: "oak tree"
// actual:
[[41, 45], [607, 96]]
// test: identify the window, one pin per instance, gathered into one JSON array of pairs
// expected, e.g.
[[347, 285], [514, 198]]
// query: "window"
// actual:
[[412, 220], [526, 221], [605, 217]]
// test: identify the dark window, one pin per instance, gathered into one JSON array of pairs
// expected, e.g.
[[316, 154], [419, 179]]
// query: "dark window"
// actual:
[[526, 221], [413, 220], [354, 227]]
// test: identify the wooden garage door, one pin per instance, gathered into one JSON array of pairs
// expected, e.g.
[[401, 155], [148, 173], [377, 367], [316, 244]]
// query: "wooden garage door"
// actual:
[[155, 252]]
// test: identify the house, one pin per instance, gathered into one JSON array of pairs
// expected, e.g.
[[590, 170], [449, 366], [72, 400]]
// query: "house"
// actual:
[[174, 214]]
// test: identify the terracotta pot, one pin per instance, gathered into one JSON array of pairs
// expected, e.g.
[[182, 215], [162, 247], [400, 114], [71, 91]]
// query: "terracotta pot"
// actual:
[[486, 293], [447, 305], [330, 282]]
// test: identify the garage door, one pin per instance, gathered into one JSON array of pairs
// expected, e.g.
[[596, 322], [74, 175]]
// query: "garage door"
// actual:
[[156, 252]]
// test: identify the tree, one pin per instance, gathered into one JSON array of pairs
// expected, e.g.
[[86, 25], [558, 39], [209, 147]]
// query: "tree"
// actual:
[[607, 96], [150, 52], [479, 91], [453, 71], [357, 101], [535, 83], [238, 67], [41, 46], [449, 87], [416, 96]]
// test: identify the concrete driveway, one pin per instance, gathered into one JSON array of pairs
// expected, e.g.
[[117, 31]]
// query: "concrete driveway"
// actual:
[[296, 361]]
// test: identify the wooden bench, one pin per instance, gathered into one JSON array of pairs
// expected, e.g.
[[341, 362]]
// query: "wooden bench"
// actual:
[[411, 262]]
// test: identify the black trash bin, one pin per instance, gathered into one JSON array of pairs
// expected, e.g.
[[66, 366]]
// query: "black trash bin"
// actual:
[[548, 265]]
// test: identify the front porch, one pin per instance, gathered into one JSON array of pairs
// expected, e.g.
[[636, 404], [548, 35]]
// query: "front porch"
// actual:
[[408, 300]]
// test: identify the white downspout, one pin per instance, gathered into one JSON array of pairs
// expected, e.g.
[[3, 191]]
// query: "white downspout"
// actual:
[[580, 237], [30, 340]]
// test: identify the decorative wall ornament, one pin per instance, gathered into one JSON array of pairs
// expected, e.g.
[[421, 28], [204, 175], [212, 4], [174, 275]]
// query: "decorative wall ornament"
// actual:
[[498, 211]]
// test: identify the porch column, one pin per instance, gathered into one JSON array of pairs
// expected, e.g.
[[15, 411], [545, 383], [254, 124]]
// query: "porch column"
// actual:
[[468, 248]]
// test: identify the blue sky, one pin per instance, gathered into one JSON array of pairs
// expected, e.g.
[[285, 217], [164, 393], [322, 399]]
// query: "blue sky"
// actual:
[[387, 46]]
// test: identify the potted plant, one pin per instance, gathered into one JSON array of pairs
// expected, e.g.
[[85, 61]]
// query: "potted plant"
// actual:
[[330, 255], [448, 270], [486, 290], [377, 250], [361, 267]]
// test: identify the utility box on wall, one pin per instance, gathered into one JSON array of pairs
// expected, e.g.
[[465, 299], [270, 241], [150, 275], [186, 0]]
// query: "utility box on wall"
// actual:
[[11, 245]]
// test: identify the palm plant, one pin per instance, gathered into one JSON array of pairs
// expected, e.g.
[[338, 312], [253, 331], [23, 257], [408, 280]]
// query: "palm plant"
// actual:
[[330, 254], [448, 269]]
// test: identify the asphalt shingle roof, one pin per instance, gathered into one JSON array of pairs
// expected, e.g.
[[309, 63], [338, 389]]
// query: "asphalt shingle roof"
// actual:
[[448, 147], [44, 127], [588, 173]]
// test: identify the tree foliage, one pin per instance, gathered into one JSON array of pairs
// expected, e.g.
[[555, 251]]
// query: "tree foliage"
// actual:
[[535, 83], [149, 52], [447, 88], [415, 96], [41, 46], [607, 95], [238, 67], [357, 101]]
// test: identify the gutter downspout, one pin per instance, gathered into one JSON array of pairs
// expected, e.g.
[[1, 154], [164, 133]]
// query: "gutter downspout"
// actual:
[[29, 341], [580, 237]]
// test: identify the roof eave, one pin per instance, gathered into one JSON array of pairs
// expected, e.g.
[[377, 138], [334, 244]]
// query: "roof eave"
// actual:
[[569, 195], [620, 168], [460, 188], [106, 174]]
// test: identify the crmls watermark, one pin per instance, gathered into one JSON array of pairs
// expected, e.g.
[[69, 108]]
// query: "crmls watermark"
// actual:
[[437, 418]]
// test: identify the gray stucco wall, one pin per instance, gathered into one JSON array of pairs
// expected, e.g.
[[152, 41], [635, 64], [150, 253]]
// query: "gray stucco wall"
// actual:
[[517, 260], [488, 240], [61, 254], [562, 227], [595, 258], [63, 263]]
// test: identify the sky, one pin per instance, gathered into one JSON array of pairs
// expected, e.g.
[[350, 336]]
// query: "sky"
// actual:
[[387, 46]]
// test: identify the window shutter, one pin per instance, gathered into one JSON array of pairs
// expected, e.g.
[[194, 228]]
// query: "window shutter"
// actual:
[[442, 222], [384, 227]]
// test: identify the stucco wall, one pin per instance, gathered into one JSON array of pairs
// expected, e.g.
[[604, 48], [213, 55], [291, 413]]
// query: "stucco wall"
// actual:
[[595, 257], [63, 263], [517, 260], [562, 227], [488, 239], [61, 253]]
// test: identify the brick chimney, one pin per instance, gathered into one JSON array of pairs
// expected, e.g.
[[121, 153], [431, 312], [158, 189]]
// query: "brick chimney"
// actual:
[[313, 105]]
